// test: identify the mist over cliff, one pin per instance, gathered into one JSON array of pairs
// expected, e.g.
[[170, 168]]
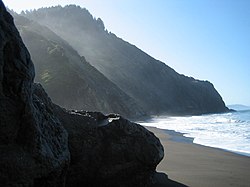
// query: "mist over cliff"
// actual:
[[153, 85], [68, 78]]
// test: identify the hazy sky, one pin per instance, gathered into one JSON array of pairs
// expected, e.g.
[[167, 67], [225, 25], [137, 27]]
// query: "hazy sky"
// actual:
[[205, 39]]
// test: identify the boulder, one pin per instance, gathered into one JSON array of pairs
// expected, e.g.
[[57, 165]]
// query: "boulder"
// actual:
[[109, 150]]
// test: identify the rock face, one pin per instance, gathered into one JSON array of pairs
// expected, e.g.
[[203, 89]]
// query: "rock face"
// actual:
[[106, 150], [109, 150], [152, 84], [33, 143], [35, 149], [68, 78]]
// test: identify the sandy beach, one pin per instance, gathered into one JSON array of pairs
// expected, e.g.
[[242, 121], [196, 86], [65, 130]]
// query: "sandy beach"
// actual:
[[200, 166]]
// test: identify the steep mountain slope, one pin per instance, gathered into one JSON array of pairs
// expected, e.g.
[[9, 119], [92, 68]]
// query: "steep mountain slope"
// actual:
[[68, 78], [154, 85]]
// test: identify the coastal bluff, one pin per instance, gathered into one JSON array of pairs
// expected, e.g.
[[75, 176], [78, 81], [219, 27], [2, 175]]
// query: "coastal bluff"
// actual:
[[44, 145], [154, 86]]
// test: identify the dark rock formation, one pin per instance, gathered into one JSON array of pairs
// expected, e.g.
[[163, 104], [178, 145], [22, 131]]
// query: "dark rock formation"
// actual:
[[68, 78], [153, 85], [109, 150], [33, 143], [106, 150]]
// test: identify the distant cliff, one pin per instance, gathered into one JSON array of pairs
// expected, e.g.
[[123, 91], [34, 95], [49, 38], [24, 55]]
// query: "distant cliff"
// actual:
[[156, 87], [37, 151], [68, 78]]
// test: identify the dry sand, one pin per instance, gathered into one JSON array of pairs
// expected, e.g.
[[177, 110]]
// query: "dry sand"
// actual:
[[199, 166]]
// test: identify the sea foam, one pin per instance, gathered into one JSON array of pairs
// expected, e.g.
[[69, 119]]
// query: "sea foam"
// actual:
[[229, 131]]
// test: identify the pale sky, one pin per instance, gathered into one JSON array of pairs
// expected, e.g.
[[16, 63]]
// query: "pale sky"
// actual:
[[205, 39]]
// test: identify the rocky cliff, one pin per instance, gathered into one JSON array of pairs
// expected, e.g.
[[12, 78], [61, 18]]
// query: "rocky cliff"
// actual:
[[33, 143], [152, 84], [68, 78], [35, 148]]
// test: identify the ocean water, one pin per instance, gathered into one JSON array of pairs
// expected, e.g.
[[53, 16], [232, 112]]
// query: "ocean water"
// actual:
[[228, 131]]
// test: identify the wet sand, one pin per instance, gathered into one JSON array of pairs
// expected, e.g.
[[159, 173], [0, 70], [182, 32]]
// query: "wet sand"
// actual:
[[200, 166]]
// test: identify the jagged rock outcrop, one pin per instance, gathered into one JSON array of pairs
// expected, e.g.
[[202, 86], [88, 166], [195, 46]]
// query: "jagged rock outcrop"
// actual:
[[35, 148], [33, 143], [68, 78], [152, 84]]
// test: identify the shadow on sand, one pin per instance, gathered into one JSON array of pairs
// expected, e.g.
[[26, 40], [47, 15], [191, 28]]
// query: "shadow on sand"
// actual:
[[162, 180]]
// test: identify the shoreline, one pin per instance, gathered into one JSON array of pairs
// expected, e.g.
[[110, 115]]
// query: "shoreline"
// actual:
[[179, 137], [196, 165]]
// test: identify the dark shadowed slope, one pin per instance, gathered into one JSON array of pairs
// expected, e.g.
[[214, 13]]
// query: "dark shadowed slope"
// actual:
[[68, 78], [33, 142], [154, 85]]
